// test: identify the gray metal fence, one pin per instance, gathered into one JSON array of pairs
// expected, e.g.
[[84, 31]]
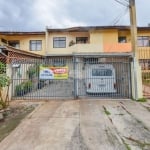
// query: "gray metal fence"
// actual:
[[72, 77], [105, 77]]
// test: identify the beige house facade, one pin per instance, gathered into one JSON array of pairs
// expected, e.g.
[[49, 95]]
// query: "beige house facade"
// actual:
[[84, 41]]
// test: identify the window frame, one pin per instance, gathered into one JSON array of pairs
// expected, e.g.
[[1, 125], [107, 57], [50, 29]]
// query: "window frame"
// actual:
[[58, 39], [122, 39], [36, 45], [82, 40], [141, 40]]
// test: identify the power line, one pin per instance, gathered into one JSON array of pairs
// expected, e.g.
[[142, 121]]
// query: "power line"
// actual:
[[125, 3], [120, 16]]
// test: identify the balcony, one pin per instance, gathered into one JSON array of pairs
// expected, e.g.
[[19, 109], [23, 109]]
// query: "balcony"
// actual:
[[77, 48], [86, 48], [117, 47], [92, 48], [144, 52]]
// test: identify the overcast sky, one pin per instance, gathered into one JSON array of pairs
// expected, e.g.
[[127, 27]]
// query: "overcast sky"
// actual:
[[35, 15]]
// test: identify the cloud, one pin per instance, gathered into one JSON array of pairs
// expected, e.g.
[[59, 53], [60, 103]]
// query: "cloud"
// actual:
[[37, 14], [53, 14]]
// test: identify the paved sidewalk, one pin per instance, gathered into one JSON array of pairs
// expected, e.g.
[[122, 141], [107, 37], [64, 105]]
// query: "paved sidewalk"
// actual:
[[83, 125]]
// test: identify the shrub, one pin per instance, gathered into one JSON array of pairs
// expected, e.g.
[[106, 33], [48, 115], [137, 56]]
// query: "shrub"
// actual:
[[4, 82], [23, 88]]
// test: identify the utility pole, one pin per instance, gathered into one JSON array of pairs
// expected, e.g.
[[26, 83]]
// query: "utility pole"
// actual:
[[133, 26]]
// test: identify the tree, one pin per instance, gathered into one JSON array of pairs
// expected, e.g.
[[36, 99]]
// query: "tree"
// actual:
[[4, 82]]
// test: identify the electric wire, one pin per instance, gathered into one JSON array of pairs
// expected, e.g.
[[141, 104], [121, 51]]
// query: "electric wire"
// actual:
[[119, 17], [123, 3]]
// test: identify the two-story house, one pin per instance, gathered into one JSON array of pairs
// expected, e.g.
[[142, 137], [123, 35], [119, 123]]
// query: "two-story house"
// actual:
[[78, 40], [94, 44]]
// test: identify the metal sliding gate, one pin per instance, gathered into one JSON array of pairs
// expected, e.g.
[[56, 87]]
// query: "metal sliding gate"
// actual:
[[72, 77]]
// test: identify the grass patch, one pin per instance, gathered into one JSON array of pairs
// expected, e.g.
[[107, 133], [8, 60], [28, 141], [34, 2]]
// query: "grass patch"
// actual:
[[139, 143], [106, 111], [9, 124], [142, 100], [126, 145], [120, 114]]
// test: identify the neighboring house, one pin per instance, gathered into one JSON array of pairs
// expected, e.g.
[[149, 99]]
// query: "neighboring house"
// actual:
[[28, 41]]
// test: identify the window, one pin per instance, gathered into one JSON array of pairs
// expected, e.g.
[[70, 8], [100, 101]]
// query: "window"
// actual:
[[35, 45], [59, 42], [15, 44], [81, 40], [101, 72], [122, 39], [144, 41]]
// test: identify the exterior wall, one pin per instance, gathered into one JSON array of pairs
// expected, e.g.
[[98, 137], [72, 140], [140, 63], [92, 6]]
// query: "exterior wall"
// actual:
[[117, 47], [25, 42], [104, 40], [76, 48], [110, 40], [96, 37], [144, 52], [126, 34], [2, 37], [110, 36]]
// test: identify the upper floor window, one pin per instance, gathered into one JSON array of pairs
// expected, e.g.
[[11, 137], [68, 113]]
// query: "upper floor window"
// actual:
[[59, 42], [144, 41], [35, 45], [14, 43], [81, 40], [122, 39]]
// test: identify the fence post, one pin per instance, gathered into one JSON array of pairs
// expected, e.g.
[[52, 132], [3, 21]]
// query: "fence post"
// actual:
[[137, 80], [75, 77]]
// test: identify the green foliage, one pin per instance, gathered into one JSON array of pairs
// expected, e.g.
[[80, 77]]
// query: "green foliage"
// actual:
[[27, 86], [146, 78], [71, 43], [2, 68], [106, 111], [4, 82], [33, 71], [142, 100], [23, 88]]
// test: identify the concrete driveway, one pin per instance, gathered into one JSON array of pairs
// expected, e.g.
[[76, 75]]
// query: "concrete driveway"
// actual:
[[83, 125]]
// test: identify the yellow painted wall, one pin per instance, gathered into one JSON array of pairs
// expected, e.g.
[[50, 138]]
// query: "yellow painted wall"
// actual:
[[69, 37], [110, 36], [96, 37], [126, 34], [25, 42], [2, 37], [98, 40], [144, 52]]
